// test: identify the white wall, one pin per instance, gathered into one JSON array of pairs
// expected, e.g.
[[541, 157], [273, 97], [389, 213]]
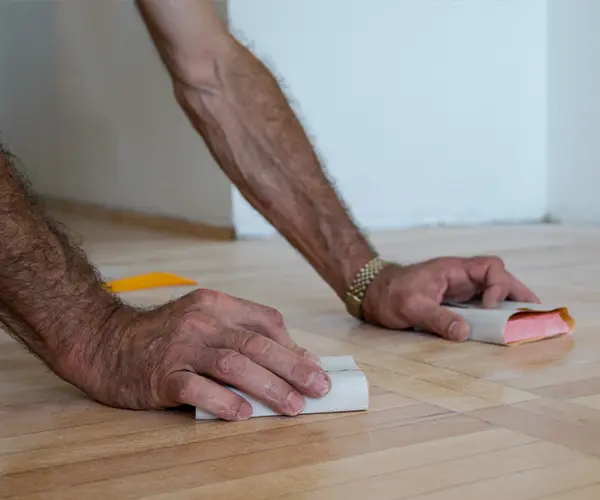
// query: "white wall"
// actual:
[[96, 118], [574, 111], [426, 111], [26, 95], [4, 101]]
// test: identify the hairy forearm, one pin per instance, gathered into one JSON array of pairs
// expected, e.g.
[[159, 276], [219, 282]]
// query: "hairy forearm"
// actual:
[[51, 298], [260, 144]]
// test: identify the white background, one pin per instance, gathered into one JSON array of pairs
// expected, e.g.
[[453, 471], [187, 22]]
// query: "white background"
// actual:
[[425, 111]]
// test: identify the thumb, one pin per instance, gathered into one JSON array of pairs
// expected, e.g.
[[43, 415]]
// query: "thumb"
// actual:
[[437, 319]]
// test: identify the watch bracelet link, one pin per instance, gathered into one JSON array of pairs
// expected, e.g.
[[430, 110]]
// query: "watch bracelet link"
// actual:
[[358, 287]]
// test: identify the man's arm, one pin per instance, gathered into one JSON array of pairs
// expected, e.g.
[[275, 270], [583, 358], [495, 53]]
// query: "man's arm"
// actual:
[[235, 103], [53, 301], [51, 297]]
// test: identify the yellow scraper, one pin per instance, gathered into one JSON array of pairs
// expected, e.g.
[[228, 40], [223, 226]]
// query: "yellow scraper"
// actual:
[[146, 281]]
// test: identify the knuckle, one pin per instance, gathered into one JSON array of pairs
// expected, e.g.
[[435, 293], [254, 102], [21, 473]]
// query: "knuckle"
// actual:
[[177, 390], [496, 260], [184, 393], [229, 362], [194, 326], [275, 317], [493, 261], [207, 299], [255, 345], [189, 323], [302, 373], [443, 262]]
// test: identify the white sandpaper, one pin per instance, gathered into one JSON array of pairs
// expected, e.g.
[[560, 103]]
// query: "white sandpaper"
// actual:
[[349, 392]]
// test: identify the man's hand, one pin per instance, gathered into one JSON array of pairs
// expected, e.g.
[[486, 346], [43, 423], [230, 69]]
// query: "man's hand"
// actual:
[[410, 297], [53, 301], [177, 353]]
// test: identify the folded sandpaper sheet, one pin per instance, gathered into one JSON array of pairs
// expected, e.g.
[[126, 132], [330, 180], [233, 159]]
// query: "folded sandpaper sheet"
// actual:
[[349, 392], [511, 322]]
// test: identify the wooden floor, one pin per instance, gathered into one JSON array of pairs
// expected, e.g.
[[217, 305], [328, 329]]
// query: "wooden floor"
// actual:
[[447, 421]]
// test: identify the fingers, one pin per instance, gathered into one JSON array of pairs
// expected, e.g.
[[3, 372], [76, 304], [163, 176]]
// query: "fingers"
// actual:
[[304, 375], [498, 284], [520, 293], [235, 369], [185, 388], [270, 323], [239, 313], [428, 314], [252, 362], [264, 369]]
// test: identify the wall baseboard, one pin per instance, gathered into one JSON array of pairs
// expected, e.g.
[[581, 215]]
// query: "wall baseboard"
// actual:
[[141, 220]]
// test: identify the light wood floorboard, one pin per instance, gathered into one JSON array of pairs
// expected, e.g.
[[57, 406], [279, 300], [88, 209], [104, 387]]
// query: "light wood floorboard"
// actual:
[[447, 421]]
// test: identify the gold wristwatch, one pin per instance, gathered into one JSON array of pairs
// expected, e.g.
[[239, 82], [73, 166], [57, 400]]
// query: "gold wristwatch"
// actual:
[[358, 287]]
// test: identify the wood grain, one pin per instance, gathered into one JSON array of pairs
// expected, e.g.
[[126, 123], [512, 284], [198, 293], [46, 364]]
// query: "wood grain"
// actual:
[[447, 421]]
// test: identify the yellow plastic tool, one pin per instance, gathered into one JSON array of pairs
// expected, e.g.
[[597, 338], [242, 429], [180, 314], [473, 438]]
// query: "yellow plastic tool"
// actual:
[[146, 281]]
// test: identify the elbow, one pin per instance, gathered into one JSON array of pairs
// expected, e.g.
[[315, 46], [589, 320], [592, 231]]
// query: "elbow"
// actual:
[[200, 81], [204, 70], [198, 75], [197, 98]]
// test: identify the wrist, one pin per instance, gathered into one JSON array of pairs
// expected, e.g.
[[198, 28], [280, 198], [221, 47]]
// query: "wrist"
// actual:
[[374, 305], [351, 267], [75, 345], [356, 293]]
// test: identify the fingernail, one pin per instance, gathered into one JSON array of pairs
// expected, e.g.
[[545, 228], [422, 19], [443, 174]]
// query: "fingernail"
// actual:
[[295, 403], [245, 412], [457, 332], [319, 382]]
